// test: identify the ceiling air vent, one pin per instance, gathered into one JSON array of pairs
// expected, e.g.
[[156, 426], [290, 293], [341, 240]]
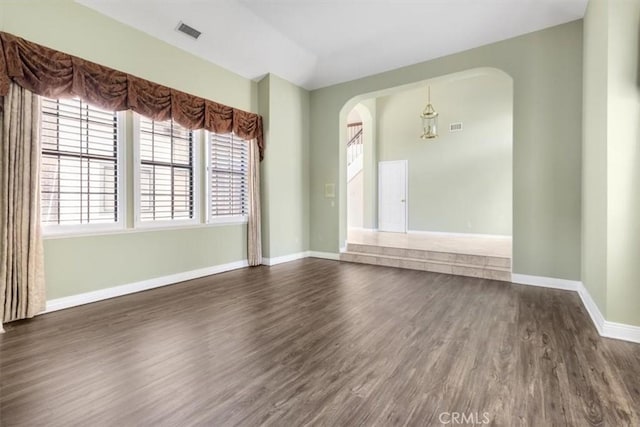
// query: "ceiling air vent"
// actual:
[[190, 31], [455, 127]]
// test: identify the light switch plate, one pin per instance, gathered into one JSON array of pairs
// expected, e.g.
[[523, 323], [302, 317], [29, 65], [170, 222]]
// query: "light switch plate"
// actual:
[[329, 191]]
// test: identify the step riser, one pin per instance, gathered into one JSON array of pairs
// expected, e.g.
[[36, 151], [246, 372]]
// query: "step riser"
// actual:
[[469, 271], [423, 255]]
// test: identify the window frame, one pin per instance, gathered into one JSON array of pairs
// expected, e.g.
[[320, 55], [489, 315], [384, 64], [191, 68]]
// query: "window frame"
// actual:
[[60, 230], [137, 199], [226, 219]]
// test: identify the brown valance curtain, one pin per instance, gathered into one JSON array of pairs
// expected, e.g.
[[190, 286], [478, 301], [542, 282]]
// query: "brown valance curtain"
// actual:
[[54, 74]]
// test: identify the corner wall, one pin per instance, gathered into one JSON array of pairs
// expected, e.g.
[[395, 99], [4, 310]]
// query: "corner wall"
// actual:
[[285, 169], [594, 153], [611, 159], [611, 247], [623, 163]]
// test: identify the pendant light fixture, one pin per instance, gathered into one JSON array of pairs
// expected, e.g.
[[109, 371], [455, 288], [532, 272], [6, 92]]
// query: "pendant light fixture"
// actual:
[[429, 119]]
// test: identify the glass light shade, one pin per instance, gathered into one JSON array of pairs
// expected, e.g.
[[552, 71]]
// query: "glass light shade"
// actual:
[[429, 122]]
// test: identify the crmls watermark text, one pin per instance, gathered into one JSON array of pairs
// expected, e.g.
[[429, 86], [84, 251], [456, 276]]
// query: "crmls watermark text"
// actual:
[[464, 418]]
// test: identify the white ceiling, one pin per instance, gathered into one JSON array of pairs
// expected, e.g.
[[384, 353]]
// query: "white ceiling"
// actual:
[[316, 43]]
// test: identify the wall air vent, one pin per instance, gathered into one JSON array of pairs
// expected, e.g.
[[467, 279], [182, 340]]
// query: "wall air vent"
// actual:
[[190, 31], [455, 127]]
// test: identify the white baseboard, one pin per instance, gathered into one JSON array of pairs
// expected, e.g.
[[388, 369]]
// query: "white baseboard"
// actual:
[[604, 327], [130, 288], [592, 308], [324, 255], [451, 234], [284, 258], [545, 282], [300, 255], [621, 331]]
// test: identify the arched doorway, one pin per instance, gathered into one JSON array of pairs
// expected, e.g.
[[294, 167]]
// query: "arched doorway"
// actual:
[[460, 183]]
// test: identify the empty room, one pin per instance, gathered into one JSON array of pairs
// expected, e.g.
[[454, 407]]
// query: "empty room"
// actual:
[[319, 213]]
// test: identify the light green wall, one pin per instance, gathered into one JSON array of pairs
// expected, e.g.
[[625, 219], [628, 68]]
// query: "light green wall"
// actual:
[[623, 160], [611, 154], [264, 87], [546, 67], [82, 264], [285, 171], [460, 182], [594, 153]]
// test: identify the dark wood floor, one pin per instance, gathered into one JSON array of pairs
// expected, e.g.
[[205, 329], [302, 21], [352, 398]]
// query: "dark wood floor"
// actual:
[[317, 342]]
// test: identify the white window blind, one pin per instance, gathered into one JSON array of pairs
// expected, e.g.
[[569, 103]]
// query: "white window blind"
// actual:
[[228, 169], [166, 171], [79, 174]]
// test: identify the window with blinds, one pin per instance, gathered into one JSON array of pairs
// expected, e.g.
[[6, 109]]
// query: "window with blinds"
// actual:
[[166, 172], [228, 180], [79, 173]]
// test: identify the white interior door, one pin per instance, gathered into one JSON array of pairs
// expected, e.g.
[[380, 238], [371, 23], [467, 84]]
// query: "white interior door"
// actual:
[[392, 196]]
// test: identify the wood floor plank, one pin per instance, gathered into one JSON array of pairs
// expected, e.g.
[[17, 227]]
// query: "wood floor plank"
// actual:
[[316, 342]]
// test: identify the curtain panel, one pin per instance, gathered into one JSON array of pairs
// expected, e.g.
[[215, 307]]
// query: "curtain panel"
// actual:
[[55, 74], [22, 288], [254, 233]]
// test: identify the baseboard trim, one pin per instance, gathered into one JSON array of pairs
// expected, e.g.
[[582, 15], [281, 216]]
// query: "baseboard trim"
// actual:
[[452, 234], [157, 282], [621, 331], [604, 327], [324, 255], [284, 258], [300, 255], [144, 285], [545, 282], [592, 308]]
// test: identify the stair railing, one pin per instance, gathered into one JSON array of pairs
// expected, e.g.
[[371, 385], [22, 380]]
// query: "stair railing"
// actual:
[[355, 146]]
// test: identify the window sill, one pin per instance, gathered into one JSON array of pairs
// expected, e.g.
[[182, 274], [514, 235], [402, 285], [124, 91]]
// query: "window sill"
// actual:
[[70, 231], [165, 224], [228, 220]]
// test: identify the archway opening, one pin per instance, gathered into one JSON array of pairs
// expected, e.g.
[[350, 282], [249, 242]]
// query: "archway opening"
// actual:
[[458, 184]]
